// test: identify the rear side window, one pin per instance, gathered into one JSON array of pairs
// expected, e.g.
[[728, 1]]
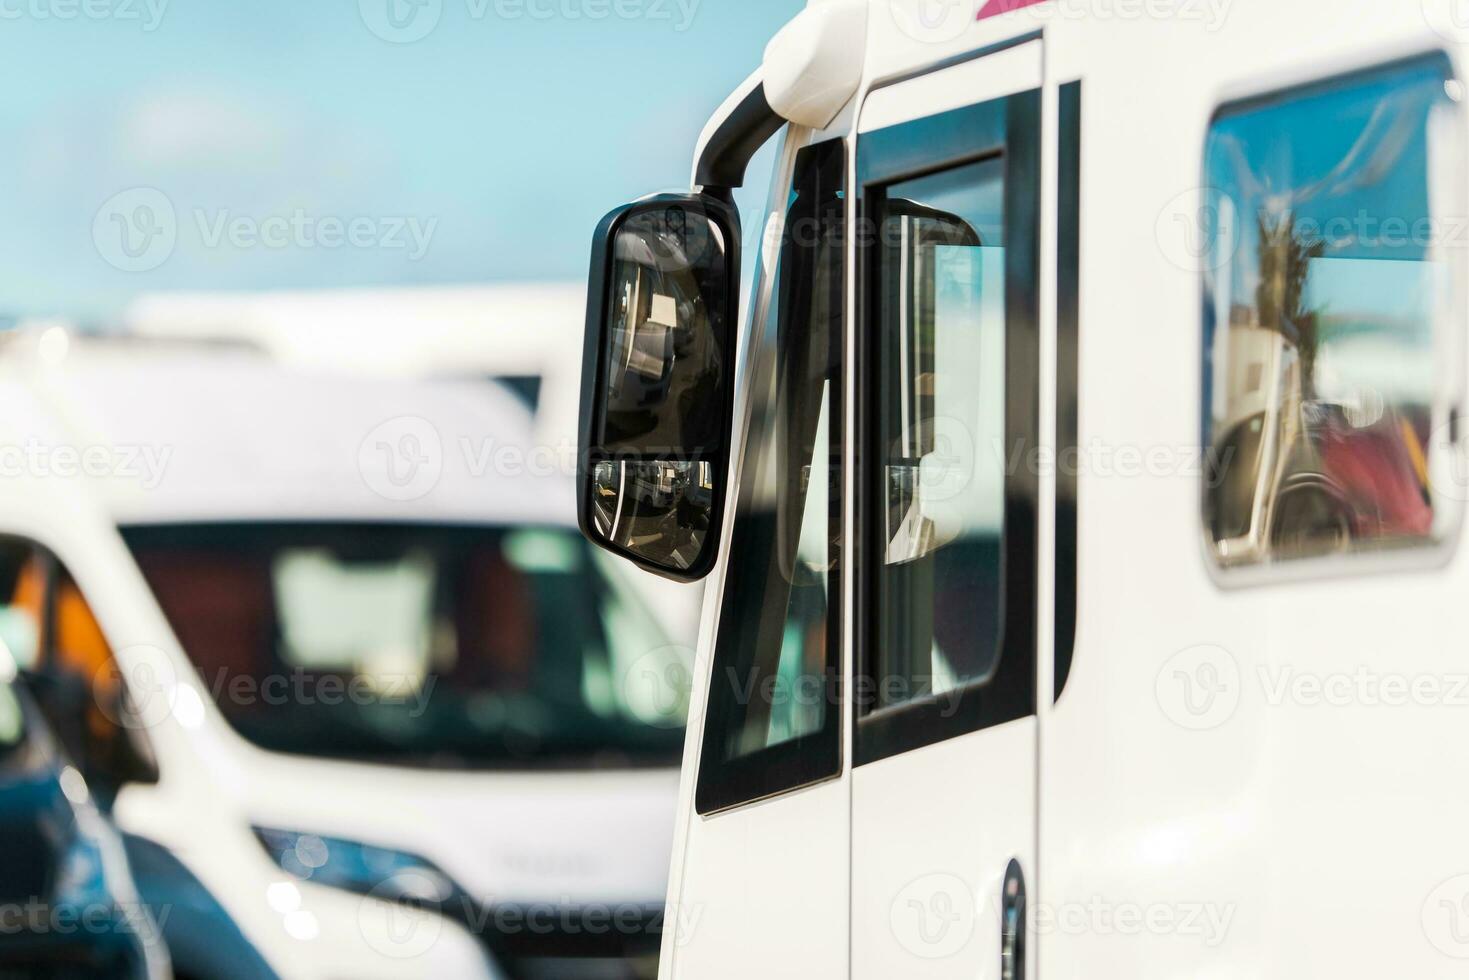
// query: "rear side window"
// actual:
[[1329, 390]]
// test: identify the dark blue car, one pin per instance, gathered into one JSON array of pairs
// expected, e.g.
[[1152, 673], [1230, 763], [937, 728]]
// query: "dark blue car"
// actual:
[[68, 905]]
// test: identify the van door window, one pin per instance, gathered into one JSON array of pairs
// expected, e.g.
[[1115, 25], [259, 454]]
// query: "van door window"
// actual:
[[1328, 379], [949, 252], [941, 421], [773, 721]]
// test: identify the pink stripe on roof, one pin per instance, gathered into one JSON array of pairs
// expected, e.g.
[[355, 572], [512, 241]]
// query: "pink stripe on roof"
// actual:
[[996, 7]]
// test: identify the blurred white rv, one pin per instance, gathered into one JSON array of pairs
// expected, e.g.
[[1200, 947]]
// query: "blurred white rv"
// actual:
[[385, 696], [527, 335]]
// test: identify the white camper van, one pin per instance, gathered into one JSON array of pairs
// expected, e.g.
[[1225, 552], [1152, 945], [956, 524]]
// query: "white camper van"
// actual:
[[343, 657], [1082, 530]]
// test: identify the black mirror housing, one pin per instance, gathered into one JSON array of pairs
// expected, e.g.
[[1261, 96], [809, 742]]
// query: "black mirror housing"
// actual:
[[658, 382]]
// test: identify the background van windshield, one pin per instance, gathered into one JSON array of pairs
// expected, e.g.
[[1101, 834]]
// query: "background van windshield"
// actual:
[[449, 646]]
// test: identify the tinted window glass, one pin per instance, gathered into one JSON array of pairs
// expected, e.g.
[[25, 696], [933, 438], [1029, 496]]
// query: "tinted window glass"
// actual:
[[941, 423], [454, 646], [23, 576], [1327, 297], [773, 717], [12, 719]]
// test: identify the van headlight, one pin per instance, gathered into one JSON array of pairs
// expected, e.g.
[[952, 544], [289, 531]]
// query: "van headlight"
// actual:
[[362, 868]]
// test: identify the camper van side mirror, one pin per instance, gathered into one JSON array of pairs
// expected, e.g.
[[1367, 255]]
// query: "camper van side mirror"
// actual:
[[657, 382]]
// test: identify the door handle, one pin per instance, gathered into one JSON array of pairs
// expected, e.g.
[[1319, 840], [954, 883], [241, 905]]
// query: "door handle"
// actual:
[[1012, 924]]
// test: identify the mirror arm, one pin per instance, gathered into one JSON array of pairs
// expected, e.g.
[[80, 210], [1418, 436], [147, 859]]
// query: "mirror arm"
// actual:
[[727, 150]]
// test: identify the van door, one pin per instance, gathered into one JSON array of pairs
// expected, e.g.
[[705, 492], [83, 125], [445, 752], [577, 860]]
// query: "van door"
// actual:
[[945, 746], [763, 887]]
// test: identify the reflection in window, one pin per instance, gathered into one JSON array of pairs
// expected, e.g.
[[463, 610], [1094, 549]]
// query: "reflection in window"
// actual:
[[1326, 296], [775, 663], [436, 645], [941, 430]]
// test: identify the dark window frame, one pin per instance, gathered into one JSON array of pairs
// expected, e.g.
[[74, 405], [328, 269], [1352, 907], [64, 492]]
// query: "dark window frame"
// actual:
[[1068, 394], [725, 783], [1009, 127]]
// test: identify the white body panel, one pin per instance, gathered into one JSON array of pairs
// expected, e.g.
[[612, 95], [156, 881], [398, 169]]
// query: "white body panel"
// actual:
[[1291, 833]]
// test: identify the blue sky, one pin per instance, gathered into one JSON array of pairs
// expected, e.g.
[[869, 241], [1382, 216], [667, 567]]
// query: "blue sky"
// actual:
[[483, 151]]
